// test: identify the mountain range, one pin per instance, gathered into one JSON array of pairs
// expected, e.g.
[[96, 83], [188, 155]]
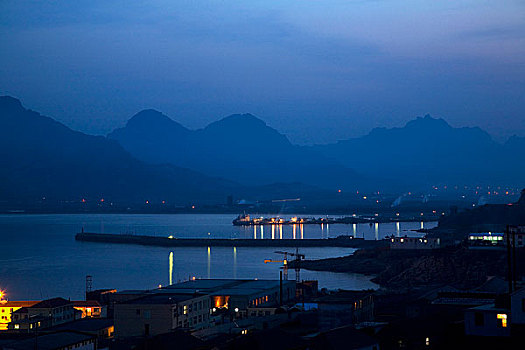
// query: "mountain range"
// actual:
[[429, 151], [239, 147], [154, 157], [42, 158]]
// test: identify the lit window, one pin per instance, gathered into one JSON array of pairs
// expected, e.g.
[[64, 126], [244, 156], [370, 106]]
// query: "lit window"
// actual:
[[502, 320]]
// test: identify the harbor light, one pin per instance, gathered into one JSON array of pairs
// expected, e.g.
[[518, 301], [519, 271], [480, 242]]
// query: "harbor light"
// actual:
[[170, 237], [236, 309]]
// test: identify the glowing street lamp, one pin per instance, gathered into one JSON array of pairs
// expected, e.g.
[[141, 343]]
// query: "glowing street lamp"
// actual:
[[2, 294]]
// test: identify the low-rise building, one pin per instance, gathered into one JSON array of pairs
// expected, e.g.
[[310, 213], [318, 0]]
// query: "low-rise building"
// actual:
[[64, 340], [487, 320], [194, 303], [413, 242], [102, 328], [345, 307], [90, 308], [486, 239], [161, 313], [43, 314], [8, 307]]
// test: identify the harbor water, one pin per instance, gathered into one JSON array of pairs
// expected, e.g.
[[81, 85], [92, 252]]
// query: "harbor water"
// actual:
[[41, 259]]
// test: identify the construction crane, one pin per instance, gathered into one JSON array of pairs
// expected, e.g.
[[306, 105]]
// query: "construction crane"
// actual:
[[284, 267], [297, 262]]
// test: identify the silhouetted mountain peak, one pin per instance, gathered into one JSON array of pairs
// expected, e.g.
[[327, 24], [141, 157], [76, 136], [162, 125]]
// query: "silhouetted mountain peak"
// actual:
[[245, 128], [10, 104], [151, 117], [428, 123], [149, 122], [246, 120]]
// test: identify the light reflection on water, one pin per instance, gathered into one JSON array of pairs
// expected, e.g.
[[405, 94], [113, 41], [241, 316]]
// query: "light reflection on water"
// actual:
[[39, 257]]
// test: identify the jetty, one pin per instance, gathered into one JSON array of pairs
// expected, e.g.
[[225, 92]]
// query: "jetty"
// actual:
[[170, 241]]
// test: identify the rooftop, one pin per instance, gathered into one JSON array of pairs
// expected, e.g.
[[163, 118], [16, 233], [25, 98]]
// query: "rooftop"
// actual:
[[52, 303], [5, 303], [218, 286], [489, 307], [161, 299], [237, 291], [343, 296], [50, 341], [85, 325], [86, 303]]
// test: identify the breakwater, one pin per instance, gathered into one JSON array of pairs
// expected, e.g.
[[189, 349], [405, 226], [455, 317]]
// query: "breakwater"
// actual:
[[341, 241]]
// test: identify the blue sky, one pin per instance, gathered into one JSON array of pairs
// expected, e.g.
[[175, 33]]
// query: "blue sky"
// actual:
[[318, 71]]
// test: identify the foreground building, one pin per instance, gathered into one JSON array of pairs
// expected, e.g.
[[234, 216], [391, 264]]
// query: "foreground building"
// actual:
[[43, 314], [196, 304], [8, 307], [161, 313]]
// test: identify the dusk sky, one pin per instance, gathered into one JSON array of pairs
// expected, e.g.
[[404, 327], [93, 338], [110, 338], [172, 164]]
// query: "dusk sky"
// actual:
[[317, 71]]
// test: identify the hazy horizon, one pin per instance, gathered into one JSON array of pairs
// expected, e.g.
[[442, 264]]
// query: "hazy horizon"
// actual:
[[348, 66]]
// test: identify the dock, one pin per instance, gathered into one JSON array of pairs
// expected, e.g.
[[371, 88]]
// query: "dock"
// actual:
[[341, 241]]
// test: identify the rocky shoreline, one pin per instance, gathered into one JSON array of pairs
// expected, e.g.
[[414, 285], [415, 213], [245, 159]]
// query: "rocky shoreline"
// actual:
[[401, 269]]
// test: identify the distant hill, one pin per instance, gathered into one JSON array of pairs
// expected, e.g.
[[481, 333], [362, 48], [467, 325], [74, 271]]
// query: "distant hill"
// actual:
[[489, 217], [240, 147], [429, 151], [40, 157]]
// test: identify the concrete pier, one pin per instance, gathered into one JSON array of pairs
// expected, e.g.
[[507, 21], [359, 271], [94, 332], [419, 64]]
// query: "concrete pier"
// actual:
[[342, 241]]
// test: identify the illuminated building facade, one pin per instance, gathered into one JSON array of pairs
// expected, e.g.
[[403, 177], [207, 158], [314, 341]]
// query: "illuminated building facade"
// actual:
[[413, 243], [90, 308], [43, 314], [8, 307], [486, 239]]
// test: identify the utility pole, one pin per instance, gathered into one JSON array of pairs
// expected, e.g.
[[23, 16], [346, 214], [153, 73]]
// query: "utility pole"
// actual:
[[281, 288], [89, 285], [509, 259]]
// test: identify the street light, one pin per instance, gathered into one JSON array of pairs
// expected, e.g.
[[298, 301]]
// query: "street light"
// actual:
[[2, 294]]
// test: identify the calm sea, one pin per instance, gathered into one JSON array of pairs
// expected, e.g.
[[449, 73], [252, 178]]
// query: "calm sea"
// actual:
[[39, 257]]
